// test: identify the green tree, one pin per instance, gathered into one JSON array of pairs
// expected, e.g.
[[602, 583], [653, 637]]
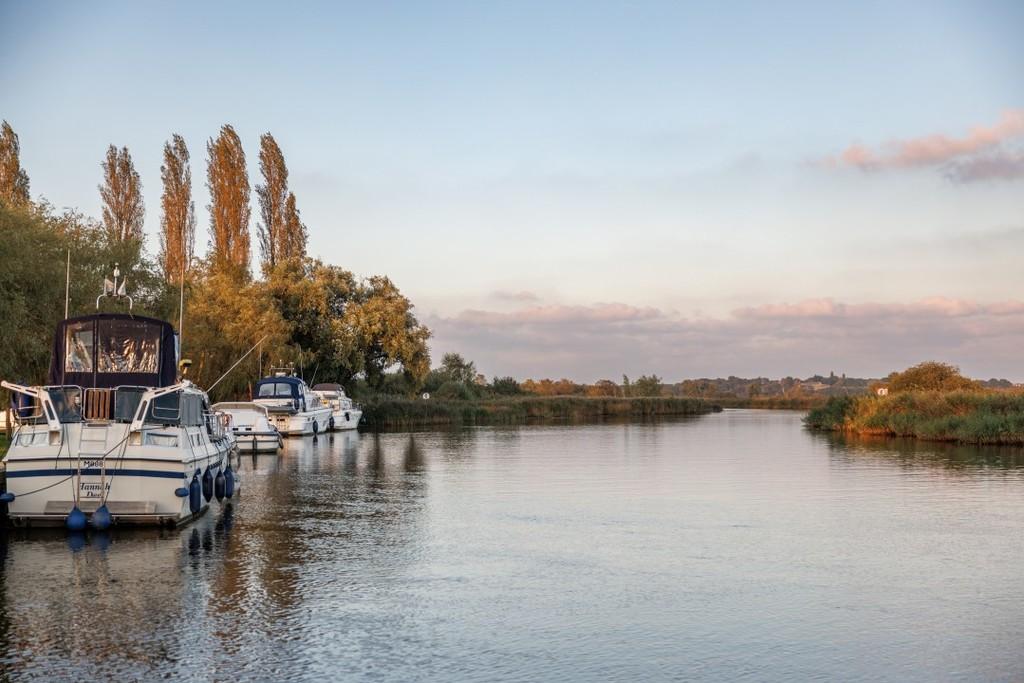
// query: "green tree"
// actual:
[[13, 178], [121, 191], [646, 386], [228, 182], [387, 332], [506, 386], [178, 222]]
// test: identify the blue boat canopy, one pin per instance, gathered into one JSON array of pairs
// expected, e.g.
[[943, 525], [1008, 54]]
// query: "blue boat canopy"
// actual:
[[278, 387], [108, 350]]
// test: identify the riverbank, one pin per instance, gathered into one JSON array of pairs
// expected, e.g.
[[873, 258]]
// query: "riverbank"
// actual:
[[774, 402], [392, 413], [974, 417]]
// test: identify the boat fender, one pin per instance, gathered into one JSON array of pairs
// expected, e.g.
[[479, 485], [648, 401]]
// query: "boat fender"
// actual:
[[75, 521], [330, 424], [316, 427], [195, 494], [219, 485], [229, 482], [347, 417], [181, 492], [101, 519], [208, 484], [7, 497]]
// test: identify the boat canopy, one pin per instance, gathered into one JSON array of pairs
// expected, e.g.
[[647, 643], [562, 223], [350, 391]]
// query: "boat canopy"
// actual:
[[108, 350], [327, 387], [278, 387]]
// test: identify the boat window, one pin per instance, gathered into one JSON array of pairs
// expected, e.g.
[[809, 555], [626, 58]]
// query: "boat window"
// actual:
[[275, 390], [128, 346], [79, 347], [67, 401], [126, 402], [164, 409]]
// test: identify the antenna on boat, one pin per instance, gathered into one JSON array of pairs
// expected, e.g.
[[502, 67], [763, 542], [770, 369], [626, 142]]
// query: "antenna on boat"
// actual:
[[111, 289], [67, 285]]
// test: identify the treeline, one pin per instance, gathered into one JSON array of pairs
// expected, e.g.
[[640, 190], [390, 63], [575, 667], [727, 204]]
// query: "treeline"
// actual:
[[310, 314]]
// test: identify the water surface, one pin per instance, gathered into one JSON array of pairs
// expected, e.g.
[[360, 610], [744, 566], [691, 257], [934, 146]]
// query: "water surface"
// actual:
[[726, 547]]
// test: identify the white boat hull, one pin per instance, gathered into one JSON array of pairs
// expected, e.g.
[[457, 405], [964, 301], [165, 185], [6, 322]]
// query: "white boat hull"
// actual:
[[139, 484], [304, 423], [347, 419]]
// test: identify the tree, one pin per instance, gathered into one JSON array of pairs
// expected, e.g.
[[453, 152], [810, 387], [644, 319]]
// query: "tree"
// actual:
[[178, 222], [603, 388], [13, 178], [930, 376], [273, 196], [387, 332], [646, 386], [121, 191], [293, 239], [506, 386], [228, 182], [458, 369]]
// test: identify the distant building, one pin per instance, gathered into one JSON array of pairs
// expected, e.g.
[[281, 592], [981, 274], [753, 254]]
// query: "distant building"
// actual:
[[882, 391]]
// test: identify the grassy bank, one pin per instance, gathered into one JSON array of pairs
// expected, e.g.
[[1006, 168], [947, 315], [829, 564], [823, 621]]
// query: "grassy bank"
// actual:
[[978, 417], [392, 413]]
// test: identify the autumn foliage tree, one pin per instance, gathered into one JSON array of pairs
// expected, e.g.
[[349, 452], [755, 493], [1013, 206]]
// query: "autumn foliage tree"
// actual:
[[228, 182], [121, 191], [930, 376], [178, 222], [13, 178]]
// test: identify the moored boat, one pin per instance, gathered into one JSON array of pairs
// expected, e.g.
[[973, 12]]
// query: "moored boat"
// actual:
[[250, 423], [115, 437], [291, 406], [345, 413]]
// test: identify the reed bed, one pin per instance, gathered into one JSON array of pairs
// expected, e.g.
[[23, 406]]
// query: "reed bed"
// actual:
[[392, 413], [978, 417]]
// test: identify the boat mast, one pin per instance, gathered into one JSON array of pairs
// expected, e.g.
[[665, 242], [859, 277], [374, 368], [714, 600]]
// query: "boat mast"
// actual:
[[67, 285]]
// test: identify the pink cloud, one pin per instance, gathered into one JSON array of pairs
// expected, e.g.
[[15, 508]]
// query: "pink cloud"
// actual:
[[817, 335], [934, 150]]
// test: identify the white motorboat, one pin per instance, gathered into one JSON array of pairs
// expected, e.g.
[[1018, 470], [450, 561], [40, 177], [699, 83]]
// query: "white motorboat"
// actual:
[[291, 406], [251, 425], [345, 413], [115, 437]]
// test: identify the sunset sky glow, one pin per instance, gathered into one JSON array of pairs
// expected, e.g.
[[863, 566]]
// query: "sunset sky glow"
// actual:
[[591, 189]]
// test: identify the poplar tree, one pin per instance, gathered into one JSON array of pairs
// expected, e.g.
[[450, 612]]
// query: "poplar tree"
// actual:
[[13, 179], [273, 196], [293, 239], [178, 222], [228, 182], [121, 192]]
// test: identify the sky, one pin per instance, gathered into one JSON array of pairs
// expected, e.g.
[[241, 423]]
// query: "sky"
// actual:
[[590, 189]]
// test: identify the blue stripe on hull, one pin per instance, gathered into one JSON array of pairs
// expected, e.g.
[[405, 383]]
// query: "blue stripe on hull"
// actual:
[[94, 472]]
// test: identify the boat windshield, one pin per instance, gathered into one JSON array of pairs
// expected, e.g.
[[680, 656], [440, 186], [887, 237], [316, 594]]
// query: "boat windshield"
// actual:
[[275, 390]]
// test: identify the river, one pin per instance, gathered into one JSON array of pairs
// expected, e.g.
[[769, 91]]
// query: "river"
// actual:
[[726, 547]]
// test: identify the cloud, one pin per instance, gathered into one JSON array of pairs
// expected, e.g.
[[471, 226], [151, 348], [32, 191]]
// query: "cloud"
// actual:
[[1004, 166], [941, 150], [605, 340], [521, 296]]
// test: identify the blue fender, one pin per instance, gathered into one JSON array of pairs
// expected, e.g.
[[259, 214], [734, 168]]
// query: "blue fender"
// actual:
[[195, 495]]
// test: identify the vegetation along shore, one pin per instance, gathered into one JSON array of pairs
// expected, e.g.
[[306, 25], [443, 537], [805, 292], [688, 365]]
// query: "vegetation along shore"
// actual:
[[930, 401], [396, 413]]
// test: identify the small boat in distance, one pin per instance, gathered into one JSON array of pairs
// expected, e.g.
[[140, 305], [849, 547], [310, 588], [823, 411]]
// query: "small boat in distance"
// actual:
[[251, 425], [114, 436], [346, 414], [292, 407]]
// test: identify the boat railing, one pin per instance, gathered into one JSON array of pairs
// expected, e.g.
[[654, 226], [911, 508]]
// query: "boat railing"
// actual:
[[215, 425]]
